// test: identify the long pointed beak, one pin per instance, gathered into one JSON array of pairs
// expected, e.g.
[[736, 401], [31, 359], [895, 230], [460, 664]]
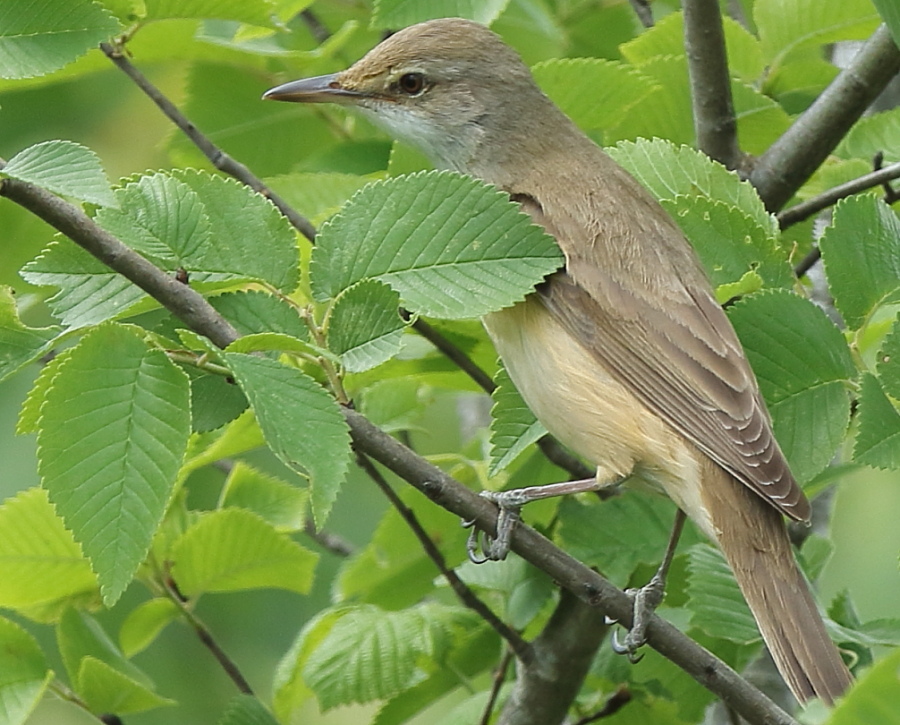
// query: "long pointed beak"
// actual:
[[321, 89]]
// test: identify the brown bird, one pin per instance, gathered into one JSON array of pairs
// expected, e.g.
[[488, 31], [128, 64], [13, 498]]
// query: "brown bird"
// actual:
[[624, 355]]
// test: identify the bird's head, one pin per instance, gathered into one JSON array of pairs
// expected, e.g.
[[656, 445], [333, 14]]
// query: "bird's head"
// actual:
[[447, 87]]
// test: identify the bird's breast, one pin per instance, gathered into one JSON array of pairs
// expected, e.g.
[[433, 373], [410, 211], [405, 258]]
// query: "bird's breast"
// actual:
[[581, 404]]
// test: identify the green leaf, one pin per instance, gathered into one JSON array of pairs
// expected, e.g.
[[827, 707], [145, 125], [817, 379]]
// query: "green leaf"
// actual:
[[246, 710], [19, 344], [30, 413], [666, 38], [42, 565], [317, 195], [251, 237], [277, 136], [392, 571], [729, 242], [396, 14], [254, 12], [861, 252], [669, 171], [665, 111], [370, 654], [106, 689], [163, 219], [364, 325], [233, 549], [277, 502], [878, 440], [786, 26], [89, 291], [79, 635], [39, 36], [714, 599], [302, 424], [24, 674], [110, 476], [526, 589], [802, 363], [215, 400], [513, 425], [450, 245], [65, 168], [593, 92], [873, 699], [273, 341], [617, 534], [255, 311], [144, 623], [890, 13], [472, 656], [888, 365], [878, 133]]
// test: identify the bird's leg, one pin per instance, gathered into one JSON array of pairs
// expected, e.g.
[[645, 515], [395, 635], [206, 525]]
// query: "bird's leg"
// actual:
[[510, 502], [648, 597]]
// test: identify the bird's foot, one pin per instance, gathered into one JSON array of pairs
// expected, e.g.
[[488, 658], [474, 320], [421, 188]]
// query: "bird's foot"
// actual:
[[482, 547], [646, 599]]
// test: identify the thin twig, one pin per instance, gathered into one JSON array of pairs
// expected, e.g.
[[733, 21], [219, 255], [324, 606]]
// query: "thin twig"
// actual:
[[332, 542], [514, 640], [643, 11], [182, 301], [205, 636], [793, 158], [810, 207], [217, 157], [559, 456], [315, 26], [616, 702], [715, 124], [497, 682], [454, 354]]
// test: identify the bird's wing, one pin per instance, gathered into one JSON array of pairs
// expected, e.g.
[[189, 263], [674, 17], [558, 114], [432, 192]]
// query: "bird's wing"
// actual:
[[662, 334]]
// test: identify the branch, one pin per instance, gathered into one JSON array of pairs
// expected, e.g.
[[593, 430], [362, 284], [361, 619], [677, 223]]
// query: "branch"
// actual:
[[183, 302], [570, 573], [228, 665], [453, 353], [217, 157], [714, 121], [513, 639], [793, 158], [496, 684], [546, 687], [329, 541], [441, 488], [643, 11], [616, 702], [810, 207]]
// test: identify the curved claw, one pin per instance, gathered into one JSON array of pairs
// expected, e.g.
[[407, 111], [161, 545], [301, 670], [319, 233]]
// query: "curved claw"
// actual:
[[473, 543], [627, 648]]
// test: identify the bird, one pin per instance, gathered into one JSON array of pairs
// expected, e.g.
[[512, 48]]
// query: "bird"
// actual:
[[623, 354]]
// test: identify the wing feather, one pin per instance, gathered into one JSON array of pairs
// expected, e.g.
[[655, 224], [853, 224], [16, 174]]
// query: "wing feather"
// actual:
[[635, 295]]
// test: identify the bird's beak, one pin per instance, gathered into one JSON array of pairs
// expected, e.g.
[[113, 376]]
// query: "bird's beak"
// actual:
[[321, 89]]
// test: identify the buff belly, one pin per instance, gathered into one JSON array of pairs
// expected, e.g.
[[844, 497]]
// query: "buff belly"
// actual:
[[590, 412]]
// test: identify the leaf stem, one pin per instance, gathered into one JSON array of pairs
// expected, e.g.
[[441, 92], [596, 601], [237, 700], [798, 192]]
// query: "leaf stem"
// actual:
[[204, 635], [519, 646]]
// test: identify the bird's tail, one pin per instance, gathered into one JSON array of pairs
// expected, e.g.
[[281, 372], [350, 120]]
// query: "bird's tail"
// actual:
[[754, 539]]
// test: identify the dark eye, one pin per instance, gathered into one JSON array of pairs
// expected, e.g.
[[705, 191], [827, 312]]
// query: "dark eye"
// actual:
[[412, 84]]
